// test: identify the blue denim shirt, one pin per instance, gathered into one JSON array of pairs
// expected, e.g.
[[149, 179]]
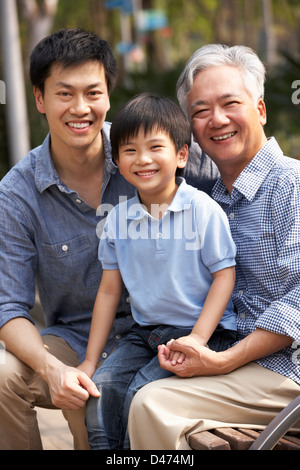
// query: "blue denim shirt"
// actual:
[[48, 238]]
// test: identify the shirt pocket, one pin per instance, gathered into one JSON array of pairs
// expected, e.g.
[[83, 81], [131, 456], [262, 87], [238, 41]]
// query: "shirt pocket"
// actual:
[[72, 264]]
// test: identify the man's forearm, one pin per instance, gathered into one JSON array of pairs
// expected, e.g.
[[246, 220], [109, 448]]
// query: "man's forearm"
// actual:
[[69, 387], [259, 344], [200, 360], [23, 340]]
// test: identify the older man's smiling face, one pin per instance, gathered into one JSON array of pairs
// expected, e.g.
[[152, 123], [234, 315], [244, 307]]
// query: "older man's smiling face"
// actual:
[[226, 122]]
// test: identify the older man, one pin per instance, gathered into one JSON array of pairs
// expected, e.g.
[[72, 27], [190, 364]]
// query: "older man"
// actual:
[[222, 91]]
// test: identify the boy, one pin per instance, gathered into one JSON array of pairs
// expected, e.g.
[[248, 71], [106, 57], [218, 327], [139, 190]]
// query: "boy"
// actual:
[[146, 243]]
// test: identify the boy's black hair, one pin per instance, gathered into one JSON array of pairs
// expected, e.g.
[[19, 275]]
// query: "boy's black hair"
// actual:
[[146, 111], [70, 47]]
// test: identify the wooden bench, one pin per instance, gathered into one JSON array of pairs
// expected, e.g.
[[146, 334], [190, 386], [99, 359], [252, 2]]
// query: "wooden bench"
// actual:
[[236, 439], [274, 437]]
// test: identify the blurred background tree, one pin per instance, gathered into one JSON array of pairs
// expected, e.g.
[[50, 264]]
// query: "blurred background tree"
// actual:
[[153, 39]]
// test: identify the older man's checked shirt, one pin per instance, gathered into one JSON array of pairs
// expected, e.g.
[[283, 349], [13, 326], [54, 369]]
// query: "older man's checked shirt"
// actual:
[[264, 215]]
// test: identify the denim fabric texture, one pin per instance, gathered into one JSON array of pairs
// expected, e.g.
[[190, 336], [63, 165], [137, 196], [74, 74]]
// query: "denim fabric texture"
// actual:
[[131, 366], [48, 237]]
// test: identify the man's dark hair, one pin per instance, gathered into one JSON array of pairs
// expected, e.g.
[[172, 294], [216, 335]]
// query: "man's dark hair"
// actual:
[[70, 47], [150, 112]]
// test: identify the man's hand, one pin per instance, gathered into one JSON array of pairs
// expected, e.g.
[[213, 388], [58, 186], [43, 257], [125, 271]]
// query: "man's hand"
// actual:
[[193, 339], [198, 360], [69, 387]]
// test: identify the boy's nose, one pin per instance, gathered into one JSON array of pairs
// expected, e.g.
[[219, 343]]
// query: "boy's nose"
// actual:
[[144, 158]]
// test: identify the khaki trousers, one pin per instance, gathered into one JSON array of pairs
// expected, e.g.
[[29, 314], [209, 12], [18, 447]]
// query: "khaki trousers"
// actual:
[[165, 413], [21, 390]]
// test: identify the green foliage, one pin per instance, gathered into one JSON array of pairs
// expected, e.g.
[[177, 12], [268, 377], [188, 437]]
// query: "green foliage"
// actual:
[[73, 14], [160, 83], [284, 115], [192, 23]]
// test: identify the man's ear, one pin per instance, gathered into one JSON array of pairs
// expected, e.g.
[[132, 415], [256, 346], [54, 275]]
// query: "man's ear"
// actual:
[[183, 157], [39, 100], [261, 107]]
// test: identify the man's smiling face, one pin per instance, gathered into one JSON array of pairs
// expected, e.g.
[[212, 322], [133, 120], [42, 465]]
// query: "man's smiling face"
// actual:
[[226, 122], [75, 102]]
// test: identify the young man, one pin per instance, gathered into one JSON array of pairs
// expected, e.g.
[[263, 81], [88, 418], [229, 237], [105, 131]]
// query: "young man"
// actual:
[[48, 234], [222, 91], [48, 221], [145, 244]]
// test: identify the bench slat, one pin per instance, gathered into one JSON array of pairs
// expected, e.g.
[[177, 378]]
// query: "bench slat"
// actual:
[[236, 439], [206, 440]]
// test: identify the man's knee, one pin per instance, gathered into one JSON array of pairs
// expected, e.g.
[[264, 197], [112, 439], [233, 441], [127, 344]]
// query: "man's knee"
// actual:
[[19, 380], [12, 370]]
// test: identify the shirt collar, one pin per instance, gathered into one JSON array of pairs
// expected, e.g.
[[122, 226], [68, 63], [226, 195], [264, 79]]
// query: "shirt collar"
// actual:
[[252, 177], [46, 174], [182, 200]]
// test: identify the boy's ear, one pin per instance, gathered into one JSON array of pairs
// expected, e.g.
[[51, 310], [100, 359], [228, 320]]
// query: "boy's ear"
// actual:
[[183, 157]]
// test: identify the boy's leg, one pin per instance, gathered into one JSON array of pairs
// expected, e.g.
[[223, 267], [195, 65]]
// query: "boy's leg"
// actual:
[[21, 390], [104, 414], [131, 366], [222, 339]]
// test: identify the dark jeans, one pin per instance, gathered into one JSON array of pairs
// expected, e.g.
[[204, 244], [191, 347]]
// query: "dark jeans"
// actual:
[[131, 366]]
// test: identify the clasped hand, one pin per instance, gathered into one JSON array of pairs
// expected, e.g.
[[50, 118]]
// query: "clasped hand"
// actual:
[[188, 356]]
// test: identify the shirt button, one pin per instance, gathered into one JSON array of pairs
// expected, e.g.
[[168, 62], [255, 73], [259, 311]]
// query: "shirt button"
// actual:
[[118, 336], [231, 215], [78, 201], [128, 300], [159, 235], [65, 248], [104, 355], [241, 292], [243, 315]]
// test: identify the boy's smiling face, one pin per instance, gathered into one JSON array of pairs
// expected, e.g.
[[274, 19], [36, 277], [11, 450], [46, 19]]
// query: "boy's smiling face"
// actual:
[[149, 162]]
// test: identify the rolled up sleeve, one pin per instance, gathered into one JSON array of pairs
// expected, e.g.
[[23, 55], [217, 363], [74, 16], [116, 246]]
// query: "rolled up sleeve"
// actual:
[[17, 262]]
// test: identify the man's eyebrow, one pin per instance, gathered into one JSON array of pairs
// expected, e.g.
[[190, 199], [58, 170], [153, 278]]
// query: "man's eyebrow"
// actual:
[[222, 97], [70, 86]]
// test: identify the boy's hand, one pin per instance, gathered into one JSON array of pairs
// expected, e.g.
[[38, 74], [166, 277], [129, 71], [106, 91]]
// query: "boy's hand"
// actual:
[[88, 368], [177, 357]]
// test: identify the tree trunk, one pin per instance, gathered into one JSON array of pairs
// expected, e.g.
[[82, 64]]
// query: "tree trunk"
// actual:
[[39, 18]]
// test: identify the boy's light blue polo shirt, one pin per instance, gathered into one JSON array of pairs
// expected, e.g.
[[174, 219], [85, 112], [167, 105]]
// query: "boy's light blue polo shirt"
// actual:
[[166, 264]]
